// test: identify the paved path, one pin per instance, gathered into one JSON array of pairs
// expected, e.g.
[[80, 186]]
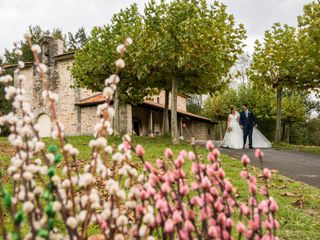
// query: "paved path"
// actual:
[[304, 167]]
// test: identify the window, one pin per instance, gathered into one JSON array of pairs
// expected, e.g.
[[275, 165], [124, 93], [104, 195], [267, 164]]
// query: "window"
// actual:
[[158, 100], [209, 131]]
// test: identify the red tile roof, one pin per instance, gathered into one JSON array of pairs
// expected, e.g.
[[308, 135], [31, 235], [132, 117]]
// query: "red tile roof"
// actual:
[[99, 98]]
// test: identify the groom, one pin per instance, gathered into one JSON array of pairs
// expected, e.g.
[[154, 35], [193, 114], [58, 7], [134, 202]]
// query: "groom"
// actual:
[[247, 122]]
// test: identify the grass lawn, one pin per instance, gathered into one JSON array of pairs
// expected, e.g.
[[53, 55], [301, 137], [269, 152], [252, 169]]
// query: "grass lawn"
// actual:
[[299, 213], [301, 148]]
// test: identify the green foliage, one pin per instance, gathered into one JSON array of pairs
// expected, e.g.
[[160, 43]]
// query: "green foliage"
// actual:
[[95, 62], [309, 44], [76, 41], [196, 43], [275, 61]]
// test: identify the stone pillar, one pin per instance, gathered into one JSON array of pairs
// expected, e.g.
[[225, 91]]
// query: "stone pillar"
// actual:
[[181, 127], [151, 123], [125, 113]]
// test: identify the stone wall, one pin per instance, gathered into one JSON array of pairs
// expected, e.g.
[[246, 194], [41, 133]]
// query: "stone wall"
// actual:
[[181, 101], [88, 119], [203, 130]]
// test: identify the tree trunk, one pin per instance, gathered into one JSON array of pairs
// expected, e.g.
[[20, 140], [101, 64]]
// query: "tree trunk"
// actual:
[[174, 120], [277, 138], [116, 118], [165, 120], [221, 130], [288, 133]]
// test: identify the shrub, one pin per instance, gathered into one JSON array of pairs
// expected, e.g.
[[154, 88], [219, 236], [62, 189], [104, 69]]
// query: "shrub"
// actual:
[[111, 193]]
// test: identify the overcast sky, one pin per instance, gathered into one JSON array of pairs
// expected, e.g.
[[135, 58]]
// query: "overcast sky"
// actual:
[[70, 15]]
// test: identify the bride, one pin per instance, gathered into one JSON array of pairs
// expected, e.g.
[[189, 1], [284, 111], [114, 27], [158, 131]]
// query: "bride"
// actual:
[[234, 135]]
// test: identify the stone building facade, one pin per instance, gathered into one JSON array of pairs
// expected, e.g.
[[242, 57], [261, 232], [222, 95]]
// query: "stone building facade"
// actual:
[[77, 106]]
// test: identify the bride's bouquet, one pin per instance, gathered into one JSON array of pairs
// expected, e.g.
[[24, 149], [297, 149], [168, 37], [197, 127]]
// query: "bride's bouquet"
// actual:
[[230, 129]]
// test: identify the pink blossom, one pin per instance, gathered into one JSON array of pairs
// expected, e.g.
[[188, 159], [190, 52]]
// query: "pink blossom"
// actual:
[[214, 192], [259, 153], [169, 226], [203, 214], [139, 210], [241, 228], [191, 156], [209, 198], [244, 174], [253, 225], [194, 186], [213, 231], [144, 195], [139, 150], [210, 145], [252, 187], [126, 145], [275, 224], [273, 205], [228, 186], [177, 216], [268, 224], [264, 190], [153, 179], [148, 166], [184, 190], [183, 153], [218, 206], [263, 206], [103, 224], [165, 188], [244, 209], [245, 160], [160, 163], [189, 226], [215, 166], [229, 223], [252, 201], [210, 171], [205, 183], [158, 219], [216, 152], [194, 168], [178, 162], [211, 157], [222, 218], [226, 234], [168, 153], [221, 173], [266, 173], [190, 214]]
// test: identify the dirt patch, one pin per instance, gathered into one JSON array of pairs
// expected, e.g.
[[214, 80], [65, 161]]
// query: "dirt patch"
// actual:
[[6, 149]]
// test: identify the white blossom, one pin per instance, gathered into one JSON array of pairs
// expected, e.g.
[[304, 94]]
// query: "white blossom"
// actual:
[[72, 222], [120, 63], [28, 207], [36, 48]]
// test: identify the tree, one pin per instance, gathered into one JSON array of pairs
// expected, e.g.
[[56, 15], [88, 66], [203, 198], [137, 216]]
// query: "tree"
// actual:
[[76, 41], [37, 33], [275, 63], [294, 111], [219, 106], [309, 45], [95, 62], [197, 45]]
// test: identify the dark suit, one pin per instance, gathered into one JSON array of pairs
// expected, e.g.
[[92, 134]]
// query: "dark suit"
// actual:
[[247, 122]]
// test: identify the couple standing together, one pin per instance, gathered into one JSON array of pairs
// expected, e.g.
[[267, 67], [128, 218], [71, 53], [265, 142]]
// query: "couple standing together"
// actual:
[[241, 127]]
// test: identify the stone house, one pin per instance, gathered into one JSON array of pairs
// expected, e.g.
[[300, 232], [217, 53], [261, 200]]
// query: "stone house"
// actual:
[[77, 106]]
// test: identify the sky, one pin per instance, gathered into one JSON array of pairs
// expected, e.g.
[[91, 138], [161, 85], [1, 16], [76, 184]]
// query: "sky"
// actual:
[[70, 15]]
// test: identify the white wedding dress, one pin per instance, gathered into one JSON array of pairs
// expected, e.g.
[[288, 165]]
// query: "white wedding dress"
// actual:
[[234, 138]]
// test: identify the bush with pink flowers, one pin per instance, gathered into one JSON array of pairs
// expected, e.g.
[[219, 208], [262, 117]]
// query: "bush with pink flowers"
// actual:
[[125, 202]]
